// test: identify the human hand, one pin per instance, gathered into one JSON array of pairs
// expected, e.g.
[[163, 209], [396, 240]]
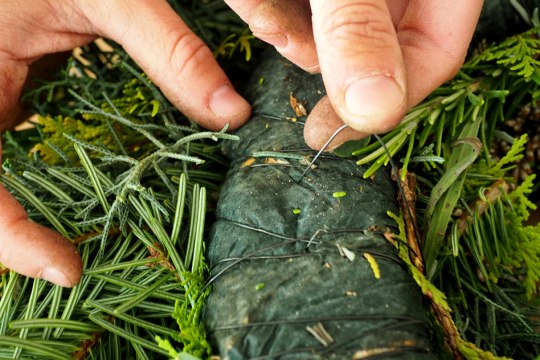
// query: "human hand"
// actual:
[[377, 58], [156, 38]]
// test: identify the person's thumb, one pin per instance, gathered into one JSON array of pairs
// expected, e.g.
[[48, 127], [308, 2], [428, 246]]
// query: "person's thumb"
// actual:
[[361, 62], [172, 56], [33, 250]]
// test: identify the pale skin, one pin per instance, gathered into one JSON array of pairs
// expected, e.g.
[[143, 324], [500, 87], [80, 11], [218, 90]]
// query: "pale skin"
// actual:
[[398, 50]]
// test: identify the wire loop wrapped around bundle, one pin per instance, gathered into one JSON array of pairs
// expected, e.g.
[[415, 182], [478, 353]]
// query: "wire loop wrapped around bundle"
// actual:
[[301, 269]]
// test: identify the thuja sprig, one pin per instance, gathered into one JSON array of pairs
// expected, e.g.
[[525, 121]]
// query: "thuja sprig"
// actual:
[[459, 120], [476, 245], [455, 343], [505, 72], [493, 271]]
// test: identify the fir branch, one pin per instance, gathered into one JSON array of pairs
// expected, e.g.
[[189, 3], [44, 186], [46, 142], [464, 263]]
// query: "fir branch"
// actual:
[[134, 276]]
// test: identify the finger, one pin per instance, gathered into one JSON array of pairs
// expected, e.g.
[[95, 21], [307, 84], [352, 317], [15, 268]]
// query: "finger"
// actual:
[[172, 56], [12, 77], [33, 250], [16, 75], [434, 38], [244, 8], [397, 9], [361, 62], [284, 24], [322, 123], [31, 29]]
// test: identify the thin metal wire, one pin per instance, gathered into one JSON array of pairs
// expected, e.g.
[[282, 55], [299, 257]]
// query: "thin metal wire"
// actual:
[[325, 146], [318, 234], [288, 241], [340, 345], [400, 321]]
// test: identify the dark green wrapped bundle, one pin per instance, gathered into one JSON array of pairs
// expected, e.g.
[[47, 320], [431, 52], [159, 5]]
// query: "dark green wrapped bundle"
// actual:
[[301, 269]]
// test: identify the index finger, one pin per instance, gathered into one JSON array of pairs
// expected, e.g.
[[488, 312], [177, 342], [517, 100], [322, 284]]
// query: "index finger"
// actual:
[[172, 55]]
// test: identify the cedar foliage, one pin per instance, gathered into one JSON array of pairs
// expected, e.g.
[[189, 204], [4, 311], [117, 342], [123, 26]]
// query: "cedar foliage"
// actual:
[[477, 246]]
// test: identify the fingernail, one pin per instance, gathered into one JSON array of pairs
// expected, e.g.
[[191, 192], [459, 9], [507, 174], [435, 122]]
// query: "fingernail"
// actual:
[[57, 277], [280, 41], [372, 96], [226, 102]]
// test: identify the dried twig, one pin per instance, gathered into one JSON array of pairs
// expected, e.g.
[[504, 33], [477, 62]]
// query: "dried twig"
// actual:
[[494, 192]]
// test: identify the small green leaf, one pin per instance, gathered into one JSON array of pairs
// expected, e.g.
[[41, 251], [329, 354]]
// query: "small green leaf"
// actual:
[[339, 194], [260, 286], [155, 107], [474, 99], [167, 346]]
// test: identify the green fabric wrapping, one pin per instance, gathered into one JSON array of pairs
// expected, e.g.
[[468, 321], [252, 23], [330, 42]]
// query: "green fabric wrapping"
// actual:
[[276, 272]]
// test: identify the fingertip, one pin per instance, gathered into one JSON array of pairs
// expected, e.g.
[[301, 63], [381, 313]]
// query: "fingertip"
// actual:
[[373, 104], [34, 250], [297, 48], [227, 107], [58, 277], [62, 264], [313, 69], [38, 252], [286, 25], [321, 125]]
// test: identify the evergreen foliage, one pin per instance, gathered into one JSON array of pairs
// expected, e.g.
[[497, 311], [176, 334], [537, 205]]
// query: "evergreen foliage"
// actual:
[[115, 168], [478, 248], [142, 251]]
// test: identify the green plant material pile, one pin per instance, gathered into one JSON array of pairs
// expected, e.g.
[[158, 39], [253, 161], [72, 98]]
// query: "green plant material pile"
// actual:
[[474, 195], [119, 171], [137, 215], [116, 169]]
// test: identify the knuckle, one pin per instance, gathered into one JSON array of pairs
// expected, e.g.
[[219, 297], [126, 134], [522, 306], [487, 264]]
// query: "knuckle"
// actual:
[[358, 22], [188, 53]]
